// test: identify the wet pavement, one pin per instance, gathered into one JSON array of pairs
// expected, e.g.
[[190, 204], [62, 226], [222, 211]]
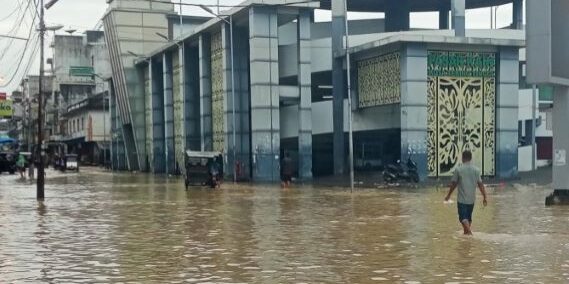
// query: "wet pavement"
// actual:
[[104, 228]]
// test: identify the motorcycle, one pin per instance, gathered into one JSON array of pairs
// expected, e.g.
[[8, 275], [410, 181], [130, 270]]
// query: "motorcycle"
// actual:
[[397, 172]]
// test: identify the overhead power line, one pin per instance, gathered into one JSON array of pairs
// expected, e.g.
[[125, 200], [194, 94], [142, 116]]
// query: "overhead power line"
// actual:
[[15, 28], [31, 57], [18, 7], [13, 37], [27, 47]]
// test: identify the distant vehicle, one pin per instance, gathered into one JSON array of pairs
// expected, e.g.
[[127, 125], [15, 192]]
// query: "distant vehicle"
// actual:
[[8, 162], [203, 168], [397, 172], [59, 163], [71, 163]]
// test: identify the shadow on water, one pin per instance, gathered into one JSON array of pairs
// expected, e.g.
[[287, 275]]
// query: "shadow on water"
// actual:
[[97, 226]]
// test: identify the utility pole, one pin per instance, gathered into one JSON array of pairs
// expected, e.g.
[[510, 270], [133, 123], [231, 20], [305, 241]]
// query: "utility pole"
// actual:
[[40, 193], [40, 179]]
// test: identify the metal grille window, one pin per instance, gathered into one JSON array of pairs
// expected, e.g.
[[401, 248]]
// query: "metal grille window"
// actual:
[[379, 80]]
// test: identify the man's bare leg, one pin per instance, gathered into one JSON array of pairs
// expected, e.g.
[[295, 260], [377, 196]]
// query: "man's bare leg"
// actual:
[[466, 227]]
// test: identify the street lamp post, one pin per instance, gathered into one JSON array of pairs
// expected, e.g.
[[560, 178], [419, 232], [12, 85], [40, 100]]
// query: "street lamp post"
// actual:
[[105, 129], [349, 85], [230, 22], [181, 21]]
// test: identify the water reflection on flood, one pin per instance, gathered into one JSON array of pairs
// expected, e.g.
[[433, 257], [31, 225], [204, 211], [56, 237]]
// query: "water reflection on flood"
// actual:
[[104, 228]]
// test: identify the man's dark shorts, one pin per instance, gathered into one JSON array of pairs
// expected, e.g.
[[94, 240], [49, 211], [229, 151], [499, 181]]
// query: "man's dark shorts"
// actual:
[[286, 178], [465, 212]]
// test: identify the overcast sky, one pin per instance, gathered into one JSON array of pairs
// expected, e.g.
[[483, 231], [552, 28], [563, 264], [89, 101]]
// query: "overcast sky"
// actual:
[[81, 15]]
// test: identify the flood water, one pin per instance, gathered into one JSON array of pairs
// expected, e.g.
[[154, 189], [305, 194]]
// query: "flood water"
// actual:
[[98, 227]]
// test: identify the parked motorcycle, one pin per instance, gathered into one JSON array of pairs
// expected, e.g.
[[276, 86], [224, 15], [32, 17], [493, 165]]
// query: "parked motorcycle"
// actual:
[[398, 172]]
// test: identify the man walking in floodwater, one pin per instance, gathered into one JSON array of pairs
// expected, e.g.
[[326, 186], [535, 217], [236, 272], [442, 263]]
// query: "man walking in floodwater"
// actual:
[[286, 171], [466, 177]]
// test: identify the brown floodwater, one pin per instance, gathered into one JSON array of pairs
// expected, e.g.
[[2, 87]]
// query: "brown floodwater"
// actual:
[[104, 228]]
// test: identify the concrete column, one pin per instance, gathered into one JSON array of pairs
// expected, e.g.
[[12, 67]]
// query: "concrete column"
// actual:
[[180, 133], [458, 17], [229, 119], [114, 131], [305, 91], [205, 92], [560, 140], [507, 113], [443, 18], [397, 15], [192, 98], [264, 69], [338, 85], [518, 14], [242, 100], [242, 103], [157, 86], [147, 159], [169, 156], [135, 79], [414, 106]]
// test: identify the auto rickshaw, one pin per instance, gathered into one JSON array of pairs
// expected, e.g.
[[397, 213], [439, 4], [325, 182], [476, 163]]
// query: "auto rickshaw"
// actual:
[[203, 169], [71, 163]]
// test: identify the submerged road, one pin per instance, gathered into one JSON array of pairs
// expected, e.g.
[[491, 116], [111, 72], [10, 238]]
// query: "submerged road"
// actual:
[[99, 227]]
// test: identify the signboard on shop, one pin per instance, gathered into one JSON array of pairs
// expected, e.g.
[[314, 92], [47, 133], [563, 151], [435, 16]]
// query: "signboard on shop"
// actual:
[[6, 110], [81, 71]]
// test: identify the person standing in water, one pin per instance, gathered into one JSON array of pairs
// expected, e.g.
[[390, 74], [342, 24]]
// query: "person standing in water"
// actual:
[[466, 177], [21, 165], [287, 171]]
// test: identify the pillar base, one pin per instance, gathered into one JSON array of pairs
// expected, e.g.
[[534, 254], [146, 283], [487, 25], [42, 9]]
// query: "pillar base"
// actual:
[[558, 197]]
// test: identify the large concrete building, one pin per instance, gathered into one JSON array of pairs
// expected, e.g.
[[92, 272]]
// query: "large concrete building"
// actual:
[[132, 29], [428, 94], [27, 102], [81, 124]]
